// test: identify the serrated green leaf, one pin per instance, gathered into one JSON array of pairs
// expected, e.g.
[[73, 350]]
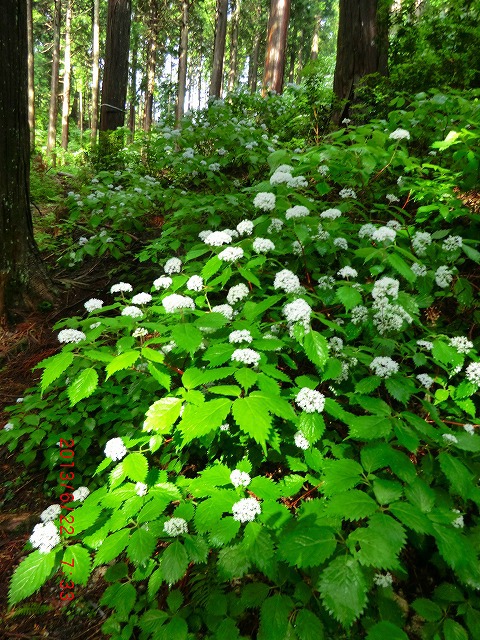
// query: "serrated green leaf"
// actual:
[[368, 384], [446, 354], [82, 386], [343, 589], [79, 564], [380, 542], [411, 517], [312, 425], [85, 516], [224, 532], [460, 479], [233, 562], [385, 629], [140, 546], [307, 545], [308, 626], [154, 583], [123, 361], [163, 378], [387, 491], [197, 548], [135, 466], [211, 267], [316, 348], [274, 617], [401, 266], [369, 427], [340, 475], [152, 619], [174, 562], [349, 297], [402, 389], [452, 630], [259, 545], [253, 418], [54, 367], [30, 575], [352, 505], [197, 421], [112, 547], [120, 596], [153, 355], [246, 377], [187, 337], [162, 414], [471, 253], [428, 610]]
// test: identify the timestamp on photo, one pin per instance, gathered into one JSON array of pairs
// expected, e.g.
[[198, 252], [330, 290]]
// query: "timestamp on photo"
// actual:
[[67, 520]]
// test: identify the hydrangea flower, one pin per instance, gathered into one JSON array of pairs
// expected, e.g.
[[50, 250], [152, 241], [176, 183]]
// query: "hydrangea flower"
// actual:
[[359, 314], [173, 265], [175, 527], [300, 441], [385, 287], [115, 449], [425, 344], [298, 211], [81, 494], [297, 311], [52, 512], [246, 510], [389, 317], [45, 537], [366, 230], [132, 312], [141, 298], [399, 134], [326, 282], [214, 166], [245, 227], [347, 272], [443, 277], [323, 170], [452, 243], [237, 293], [461, 344], [240, 478], [263, 245], [331, 214], [459, 522], [93, 304], [297, 248], [195, 283], [231, 254], [341, 243], [246, 356], [420, 241], [8, 426], [392, 198], [163, 282], [384, 580], [176, 302], [71, 335], [242, 335], [347, 193], [275, 225], [384, 366], [472, 373], [225, 309], [469, 428], [448, 437], [384, 234], [280, 177], [287, 281], [335, 345], [297, 181], [141, 489], [394, 224], [218, 239], [420, 270], [264, 201], [204, 234], [310, 400], [425, 380]]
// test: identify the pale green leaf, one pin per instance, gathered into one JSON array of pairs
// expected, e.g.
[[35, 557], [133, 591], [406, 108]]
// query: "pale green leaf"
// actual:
[[112, 547], [162, 414], [187, 336], [82, 386], [123, 361], [343, 589], [307, 544], [30, 575], [54, 367], [79, 564], [135, 466], [140, 546], [197, 421], [174, 562], [316, 348], [253, 418]]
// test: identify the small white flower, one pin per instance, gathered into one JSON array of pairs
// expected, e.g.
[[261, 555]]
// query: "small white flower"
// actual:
[[335, 345], [384, 234], [469, 428], [142, 298], [173, 265], [366, 230], [175, 302], [245, 227], [391, 198], [237, 293], [426, 344], [326, 282], [121, 287], [8, 426], [81, 494], [297, 248], [246, 509], [472, 373], [443, 277], [280, 177], [420, 241], [323, 169], [45, 537], [225, 427], [297, 181], [425, 380], [163, 282], [132, 312], [399, 134], [195, 283], [231, 254], [141, 489], [240, 478], [275, 225], [341, 243], [452, 243], [394, 224], [347, 272], [218, 238], [175, 527], [297, 311], [347, 193], [448, 437], [287, 281], [214, 166], [331, 214], [385, 287], [204, 234], [82, 240], [420, 270], [225, 309], [310, 401], [264, 201], [298, 211], [263, 245], [246, 356], [384, 366], [459, 522], [383, 580], [51, 513], [359, 314], [461, 344], [94, 325], [242, 335], [140, 332], [115, 449], [300, 441], [71, 335]]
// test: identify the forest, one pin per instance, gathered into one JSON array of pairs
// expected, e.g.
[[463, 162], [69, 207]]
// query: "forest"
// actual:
[[239, 319]]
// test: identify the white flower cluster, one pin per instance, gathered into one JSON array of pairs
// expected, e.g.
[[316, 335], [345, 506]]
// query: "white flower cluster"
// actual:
[[399, 134], [173, 265], [469, 428], [195, 283], [298, 181], [52, 512], [459, 522], [246, 356], [420, 270], [142, 298], [225, 309], [366, 230], [450, 438], [452, 243], [322, 234], [384, 366], [391, 198], [347, 193], [141, 489], [443, 277], [263, 245], [359, 314], [347, 272], [175, 527], [275, 225], [245, 227], [71, 335], [425, 380], [231, 254], [425, 344], [140, 332], [176, 302], [323, 170], [461, 344], [214, 166], [218, 239], [326, 282], [9, 426], [300, 441], [242, 335], [132, 312], [204, 234], [335, 345], [384, 580], [45, 537], [420, 241], [297, 311], [384, 234], [163, 282], [298, 211], [472, 373], [394, 224], [287, 281], [115, 449], [93, 304], [81, 494], [341, 243], [240, 478], [331, 214], [385, 287], [246, 509], [264, 201], [236, 293], [297, 248], [310, 400], [389, 317]]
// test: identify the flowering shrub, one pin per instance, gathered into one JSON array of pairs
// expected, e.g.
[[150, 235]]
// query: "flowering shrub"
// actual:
[[280, 432]]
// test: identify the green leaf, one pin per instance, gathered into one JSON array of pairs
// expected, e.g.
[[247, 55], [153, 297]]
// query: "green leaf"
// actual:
[[343, 589], [411, 517], [259, 545], [153, 355], [428, 610], [446, 354], [123, 361], [54, 367], [349, 297], [385, 629], [312, 425], [121, 597], [174, 562], [233, 562], [135, 466], [401, 389], [308, 626], [352, 505], [380, 542], [246, 377], [30, 575], [401, 266], [369, 427], [162, 414], [253, 418], [164, 379], [316, 348], [224, 532], [253, 309], [197, 421], [368, 384], [79, 557], [340, 475], [454, 631], [152, 619], [140, 546], [153, 509], [249, 276], [197, 548], [187, 337], [211, 267], [307, 545], [112, 547], [387, 491], [274, 617], [85, 516], [82, 386], [460, 479], [471, 253]]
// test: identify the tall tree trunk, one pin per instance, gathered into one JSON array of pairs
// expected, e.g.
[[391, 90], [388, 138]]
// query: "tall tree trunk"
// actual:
[[67, 65], [53, 110], [232, 75], [219, 49], [152, 44], [31, 77], [23, 279], [115, 75], [357, 50], [316, 37], [80, 111], [253, 62], [300, 56], [133, 85], [182, 63], [276, 46], [95, 69], [291, 70]]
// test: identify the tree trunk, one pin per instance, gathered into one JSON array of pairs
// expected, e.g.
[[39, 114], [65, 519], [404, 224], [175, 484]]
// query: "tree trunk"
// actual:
[[95, 69], [80, 112], [276, 46], [316, 38], [115, 75], [66, 75], [31, 77], [152, 44], [182, 64], [357, 50], [300, 56], [23, 280], [232, 76], [133, 85], [253, 63], [53, 111], [219, 49]]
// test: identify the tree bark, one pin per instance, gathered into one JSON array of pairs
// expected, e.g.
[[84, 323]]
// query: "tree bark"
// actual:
[[67, 64], [53, 110], [95, 69], [182, 64], [23, 279], [115, 75], [133, 85], [276, 46], [253, 62], [31, 77], [219, 49], [300, 56], [316, 38], [152, 44], [233, 71]]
